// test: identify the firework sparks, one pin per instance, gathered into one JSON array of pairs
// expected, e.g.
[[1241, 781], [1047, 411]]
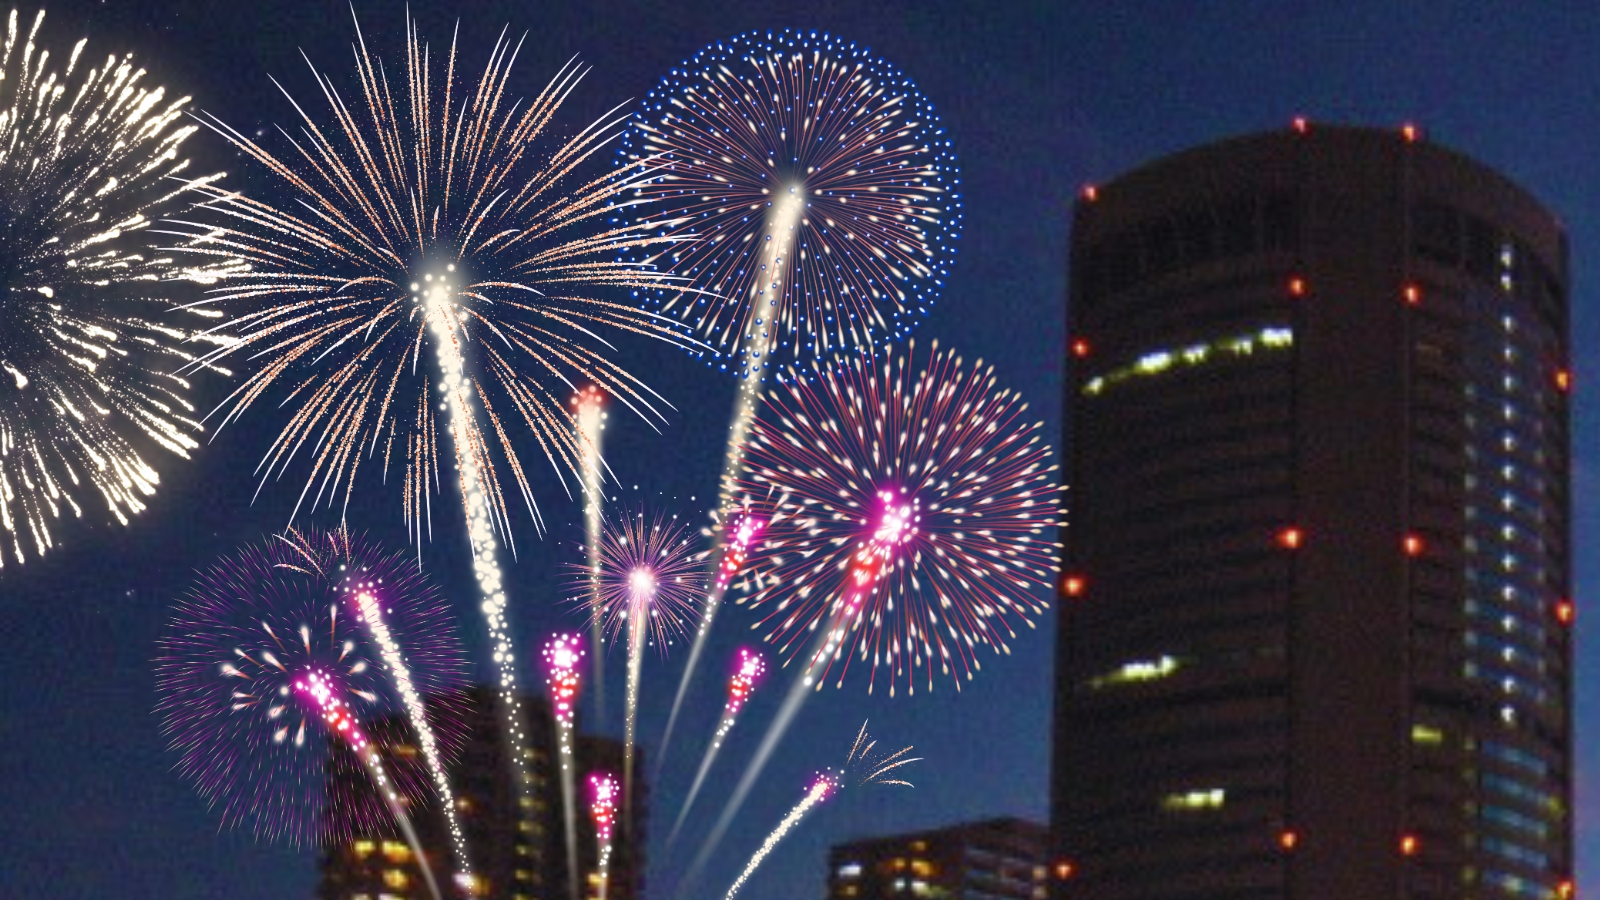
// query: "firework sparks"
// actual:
[[909, 519], [562, 656], [235, 654], [646, 583], [912, 516], [591, 416], [603, 810], [740, 685], [733, 556], [816, 195], [871, 771], [818, 189], [442, 222], [85, 151]]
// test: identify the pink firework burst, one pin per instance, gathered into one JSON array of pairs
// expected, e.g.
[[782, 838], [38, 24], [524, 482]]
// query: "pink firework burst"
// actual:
[[273, 687], [910, 515], [649, 575]]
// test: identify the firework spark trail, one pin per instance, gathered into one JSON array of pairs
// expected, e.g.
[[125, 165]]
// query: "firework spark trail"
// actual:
[[342, 722], [369, 610], [251, 627], [908, 518], [591, 416], [87, 338], [441, 221], [818, 792], [740, 685], [860, 213], [603, 810], [562, 656], [876, 772], [646, 587], [733, 548]]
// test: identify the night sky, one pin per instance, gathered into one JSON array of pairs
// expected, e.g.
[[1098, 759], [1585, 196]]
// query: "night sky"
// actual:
[[1039, 99]]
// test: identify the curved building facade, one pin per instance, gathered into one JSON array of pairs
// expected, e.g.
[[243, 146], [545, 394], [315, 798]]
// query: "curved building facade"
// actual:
[[1314, 635]]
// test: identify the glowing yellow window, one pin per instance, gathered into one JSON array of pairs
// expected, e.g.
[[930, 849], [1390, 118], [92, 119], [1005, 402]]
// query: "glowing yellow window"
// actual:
[[363, 849], [396, 852], [395, 878], [921, 867]]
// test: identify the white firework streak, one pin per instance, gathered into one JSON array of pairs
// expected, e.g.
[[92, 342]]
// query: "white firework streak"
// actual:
[[818, 792], [743, 682], [562, 655], [591, 428], [759, 339], [372, 616]]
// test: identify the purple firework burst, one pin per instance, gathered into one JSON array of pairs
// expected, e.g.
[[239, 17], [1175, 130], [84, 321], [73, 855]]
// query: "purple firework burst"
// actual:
[[259, 623]]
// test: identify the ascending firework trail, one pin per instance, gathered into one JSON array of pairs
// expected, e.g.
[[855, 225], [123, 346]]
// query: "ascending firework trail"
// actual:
[[445, 223], [911, 516], [816, 196]]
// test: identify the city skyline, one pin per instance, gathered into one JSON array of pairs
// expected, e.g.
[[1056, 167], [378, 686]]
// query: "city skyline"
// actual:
[[1039, 101]]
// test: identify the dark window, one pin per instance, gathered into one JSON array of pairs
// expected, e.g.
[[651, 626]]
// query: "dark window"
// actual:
[[1198, 234], [1280, 222], [1436, 233], [1161, 251], [1483, 252], [1236, 220]]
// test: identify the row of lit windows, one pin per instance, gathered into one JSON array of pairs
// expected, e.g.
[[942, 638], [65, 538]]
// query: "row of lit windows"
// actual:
[[1158, 362]]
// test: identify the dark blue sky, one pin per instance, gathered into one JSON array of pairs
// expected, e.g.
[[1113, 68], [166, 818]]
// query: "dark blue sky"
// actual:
[[1039, 99]]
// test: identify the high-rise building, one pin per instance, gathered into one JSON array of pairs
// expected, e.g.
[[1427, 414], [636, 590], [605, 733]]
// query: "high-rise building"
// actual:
[[997, 859], [1314, 635], [517, 844]]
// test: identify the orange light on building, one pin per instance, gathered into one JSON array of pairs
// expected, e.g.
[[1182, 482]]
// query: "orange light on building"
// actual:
[[1409, 132], [1073, 585], [1091, 193], [1064, 870], [1413, 545], [1565, 611], [1290, 538], [1563, 380], [1287, 839], [1410, 845], [1080, 347], [1300, 125], [1566, 890], [1413, 295], [1297, 286]]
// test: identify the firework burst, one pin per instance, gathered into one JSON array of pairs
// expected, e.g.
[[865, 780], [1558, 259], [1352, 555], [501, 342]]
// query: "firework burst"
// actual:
[[816, 187], [428, 218], [815, 194], [910, 516], [645, 585], [861, 767], [87, 344], [271, 643]]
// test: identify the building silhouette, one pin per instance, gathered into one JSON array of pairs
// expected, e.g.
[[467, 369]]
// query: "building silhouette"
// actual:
[[997, 859], [517, 845], [1314, 640]]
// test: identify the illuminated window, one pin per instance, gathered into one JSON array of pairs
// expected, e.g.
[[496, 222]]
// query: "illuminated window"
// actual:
[[463, 804], [850, 870], [362, 849], [1410, 845], [1064, 870], [1159, 361], [1426, 734], [395, 878], [1287, 840], [404, 750], [921, 867], [1138, 670], [1187, 801], [396, 852]]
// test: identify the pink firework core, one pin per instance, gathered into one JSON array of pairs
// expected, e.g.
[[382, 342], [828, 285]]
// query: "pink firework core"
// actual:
[[748, 529], [561, 657], [333, 710], [824, 784], [603, 805], [743, 681]]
